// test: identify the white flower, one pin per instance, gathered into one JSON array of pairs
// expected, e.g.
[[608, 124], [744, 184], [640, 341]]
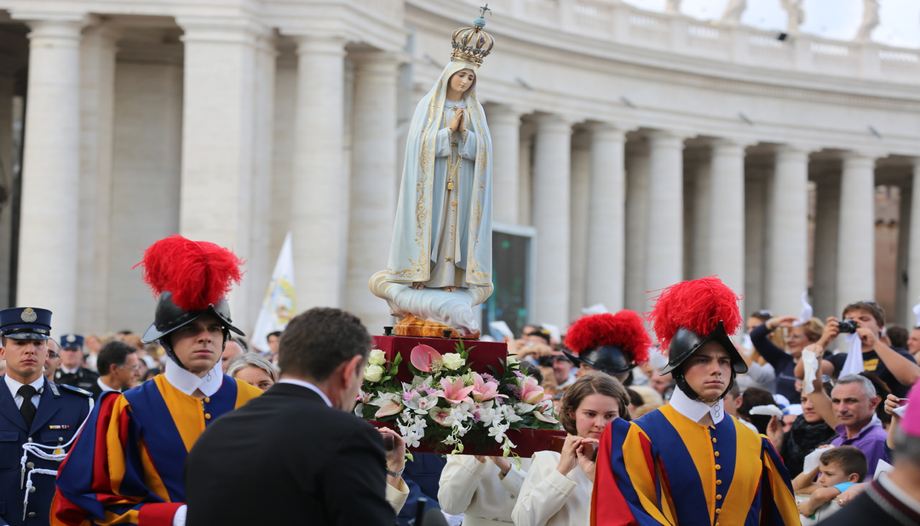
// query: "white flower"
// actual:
[[377, 357], [498, 432], [511, 360], [458, 414], [373, 373], [522, 407], [453, 361], [422, 404]]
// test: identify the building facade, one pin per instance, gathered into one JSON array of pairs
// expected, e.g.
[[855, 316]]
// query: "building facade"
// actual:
[[642, 148]]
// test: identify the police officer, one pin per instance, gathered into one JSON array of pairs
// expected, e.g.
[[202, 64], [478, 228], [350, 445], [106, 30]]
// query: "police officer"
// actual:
[[72, 371], [36, 417]]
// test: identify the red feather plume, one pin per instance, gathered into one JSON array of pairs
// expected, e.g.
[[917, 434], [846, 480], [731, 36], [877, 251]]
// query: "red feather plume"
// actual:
[[197, 273], [623, 329], [697, 305]]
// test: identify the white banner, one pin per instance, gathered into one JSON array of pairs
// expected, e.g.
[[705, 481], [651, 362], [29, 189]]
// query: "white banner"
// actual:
[[279, 305]]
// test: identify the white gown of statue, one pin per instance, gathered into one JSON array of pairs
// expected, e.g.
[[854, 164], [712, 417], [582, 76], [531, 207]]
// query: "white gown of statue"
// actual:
[[442, 235]]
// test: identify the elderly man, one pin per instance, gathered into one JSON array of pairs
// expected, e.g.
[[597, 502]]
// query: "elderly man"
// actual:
[[894, 498], [317, 463], [231, 350], [854, 401], [126, 466]]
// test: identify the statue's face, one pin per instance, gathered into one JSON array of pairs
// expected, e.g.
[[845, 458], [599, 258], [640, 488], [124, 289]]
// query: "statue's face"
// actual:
[[462, 80]]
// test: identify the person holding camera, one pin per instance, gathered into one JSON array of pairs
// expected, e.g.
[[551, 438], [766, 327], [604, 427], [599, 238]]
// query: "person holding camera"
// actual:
[[896, 367]]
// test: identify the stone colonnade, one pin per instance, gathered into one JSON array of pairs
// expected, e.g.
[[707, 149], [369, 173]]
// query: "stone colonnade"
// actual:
[[747, 224]]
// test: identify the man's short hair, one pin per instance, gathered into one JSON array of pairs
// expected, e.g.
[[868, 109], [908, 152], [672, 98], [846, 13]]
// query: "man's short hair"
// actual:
[[869, 306], [274, 333], [850, 459], [241, 342], [906, 447], [897, 335], [319, 340], [866, 384], [115, 352]]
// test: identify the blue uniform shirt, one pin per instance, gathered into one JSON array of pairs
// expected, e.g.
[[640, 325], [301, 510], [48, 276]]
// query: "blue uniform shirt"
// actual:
[[61, 410]]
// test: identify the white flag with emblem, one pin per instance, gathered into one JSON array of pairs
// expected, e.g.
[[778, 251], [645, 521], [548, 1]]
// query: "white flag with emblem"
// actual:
[[279, 305]]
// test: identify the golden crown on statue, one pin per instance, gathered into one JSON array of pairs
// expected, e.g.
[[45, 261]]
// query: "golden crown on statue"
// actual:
[[472, 44]]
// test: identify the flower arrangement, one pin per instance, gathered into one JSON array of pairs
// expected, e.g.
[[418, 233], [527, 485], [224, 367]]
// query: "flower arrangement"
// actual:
[[447, 405]]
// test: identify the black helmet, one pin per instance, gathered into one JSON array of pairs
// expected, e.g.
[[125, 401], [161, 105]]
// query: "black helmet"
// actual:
[[608, 359], [686, 342]]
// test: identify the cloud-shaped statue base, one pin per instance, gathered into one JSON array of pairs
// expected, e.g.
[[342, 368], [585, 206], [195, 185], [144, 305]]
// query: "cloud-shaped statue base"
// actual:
[[453, 309]]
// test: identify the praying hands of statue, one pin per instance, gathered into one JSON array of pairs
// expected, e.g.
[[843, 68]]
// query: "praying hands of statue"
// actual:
[[458, 122]]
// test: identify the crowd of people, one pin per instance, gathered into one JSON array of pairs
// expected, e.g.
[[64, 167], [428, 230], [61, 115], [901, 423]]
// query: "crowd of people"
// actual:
[[172, 427]]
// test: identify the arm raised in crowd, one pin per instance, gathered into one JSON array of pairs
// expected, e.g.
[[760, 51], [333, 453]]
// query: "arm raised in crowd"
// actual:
[[905, 370], [818, 397], [831, 330]]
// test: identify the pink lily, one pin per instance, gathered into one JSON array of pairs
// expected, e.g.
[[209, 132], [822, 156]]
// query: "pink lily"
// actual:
[[389, 404], [454, 392], [531, 393], [422, 356], [548, 419], [483, 390]]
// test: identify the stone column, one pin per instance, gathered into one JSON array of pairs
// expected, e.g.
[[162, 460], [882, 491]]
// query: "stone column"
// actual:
[[787, 233], [827, 226], [373, 183], [726, 217], [525, 174], [913, 264], [49, 231], [218, 119], [505, 127], [755, 214], [261, 260], [665, 246], [319, 210], [97, 105], [580, 188], [856, 237], [904, 314], [551, 217], [607, 214], [636, 221]]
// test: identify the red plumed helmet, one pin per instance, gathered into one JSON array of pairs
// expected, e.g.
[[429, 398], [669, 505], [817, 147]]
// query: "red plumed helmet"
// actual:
[[197, 273], [623, 329], [698, 305]]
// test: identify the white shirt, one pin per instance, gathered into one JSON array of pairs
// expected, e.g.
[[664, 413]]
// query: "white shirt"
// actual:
[[188, 382], [65, 370], [550, 498], [102, 385], [14, 386], [475, 489], [694, 409], [309, 386]]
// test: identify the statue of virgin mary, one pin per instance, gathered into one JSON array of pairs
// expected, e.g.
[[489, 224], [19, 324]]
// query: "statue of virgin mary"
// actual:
[[442, 235]]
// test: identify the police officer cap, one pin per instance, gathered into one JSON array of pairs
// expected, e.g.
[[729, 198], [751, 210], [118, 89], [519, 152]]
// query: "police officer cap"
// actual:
[[72, 341], [25, 323]]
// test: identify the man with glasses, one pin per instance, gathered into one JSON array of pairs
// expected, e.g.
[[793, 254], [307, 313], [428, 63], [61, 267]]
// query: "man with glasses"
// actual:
[[53, 363], [72, 371], [119, 365]]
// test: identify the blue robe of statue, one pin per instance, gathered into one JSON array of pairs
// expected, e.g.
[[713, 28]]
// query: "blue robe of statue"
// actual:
[[442, 234]]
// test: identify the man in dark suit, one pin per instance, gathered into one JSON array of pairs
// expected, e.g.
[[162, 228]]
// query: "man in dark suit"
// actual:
[[34, 412], [297, 453], [118, 366], [72, 371]]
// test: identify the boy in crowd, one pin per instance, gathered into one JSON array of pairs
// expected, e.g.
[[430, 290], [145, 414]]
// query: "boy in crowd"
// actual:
[[839, 468]]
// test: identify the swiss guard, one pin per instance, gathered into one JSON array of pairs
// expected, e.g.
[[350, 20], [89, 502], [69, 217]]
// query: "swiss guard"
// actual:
[[609, 343], [126, 466], [38, 419], [688, 462]]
